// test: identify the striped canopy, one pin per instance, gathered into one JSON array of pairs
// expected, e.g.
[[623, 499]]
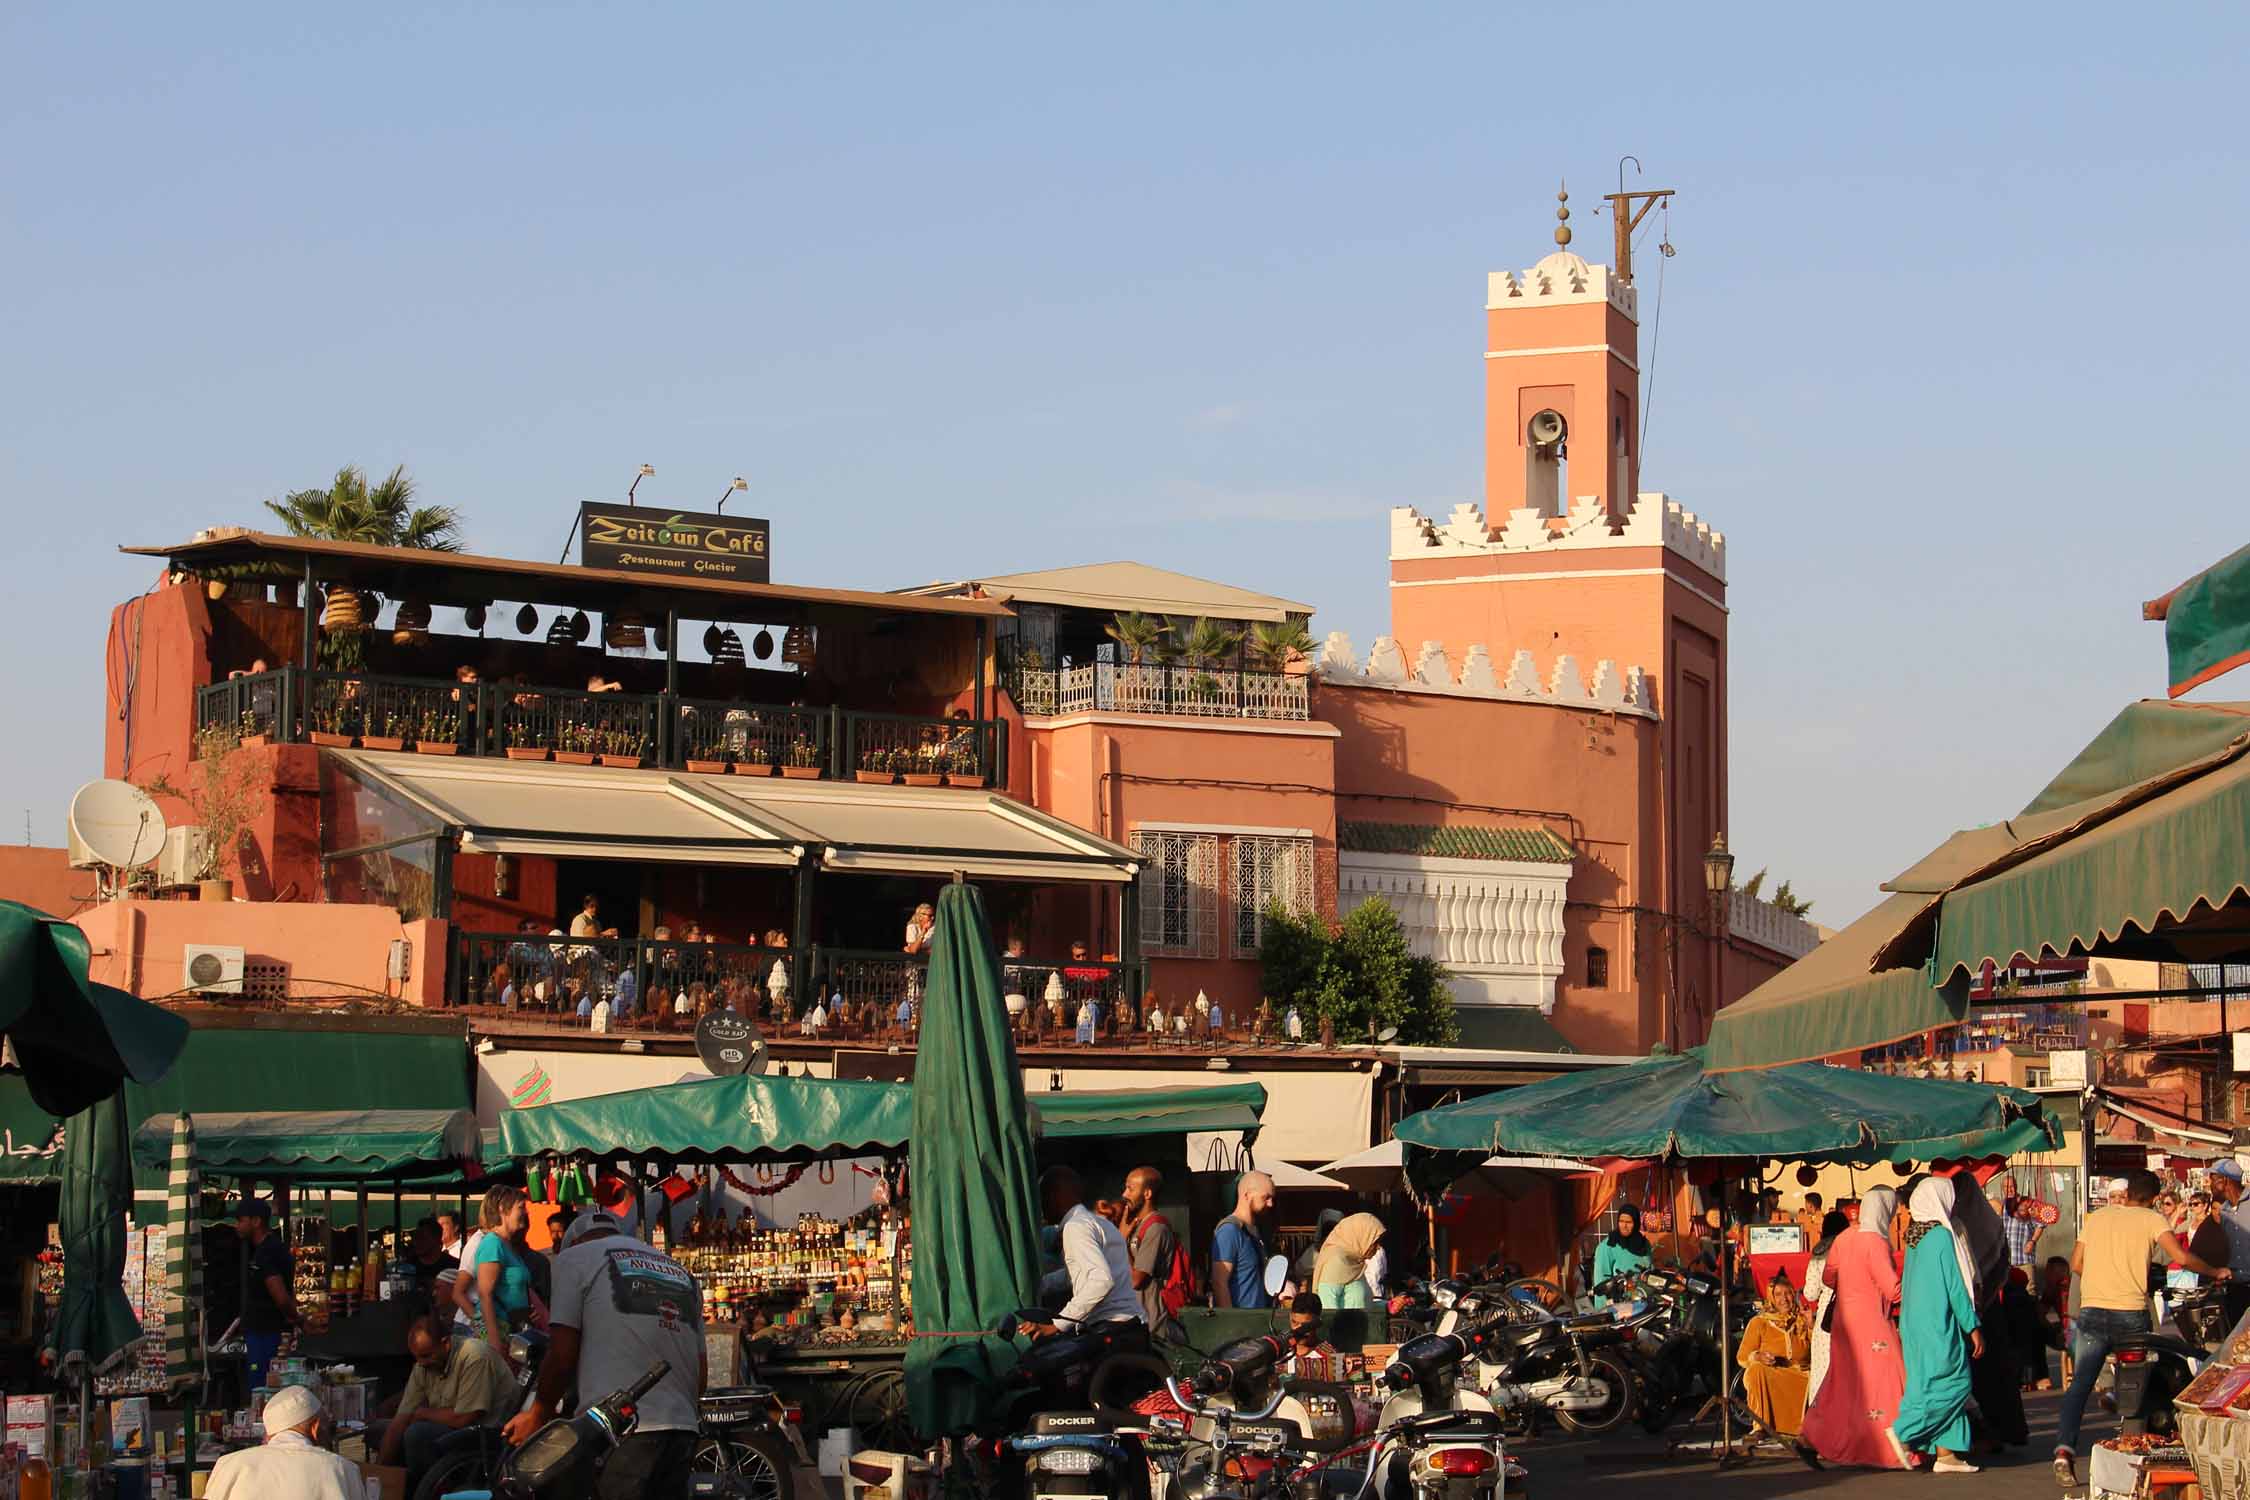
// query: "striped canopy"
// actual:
[[183, 1261]]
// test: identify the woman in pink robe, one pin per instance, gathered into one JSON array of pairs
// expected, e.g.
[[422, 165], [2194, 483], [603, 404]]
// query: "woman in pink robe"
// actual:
[[1866, 1375]]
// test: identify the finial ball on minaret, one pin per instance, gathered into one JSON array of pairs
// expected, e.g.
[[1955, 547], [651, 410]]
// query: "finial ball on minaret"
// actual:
[[1562, 212]]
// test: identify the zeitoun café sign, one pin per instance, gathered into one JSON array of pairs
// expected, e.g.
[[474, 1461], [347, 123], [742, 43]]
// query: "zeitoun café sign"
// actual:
[[693, 543]]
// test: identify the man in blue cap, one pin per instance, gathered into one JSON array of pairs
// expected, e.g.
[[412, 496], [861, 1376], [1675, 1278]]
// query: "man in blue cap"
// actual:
[[271, 1305]]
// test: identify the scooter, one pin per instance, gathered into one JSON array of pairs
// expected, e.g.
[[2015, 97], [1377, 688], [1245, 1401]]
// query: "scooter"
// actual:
[[469, 1458], [562, 1460], [2153, 1368], [1533, 1364], [1441, 1442]]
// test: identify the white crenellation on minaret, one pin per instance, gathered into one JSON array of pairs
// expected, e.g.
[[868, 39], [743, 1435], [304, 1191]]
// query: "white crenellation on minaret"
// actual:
[[1561, 277], [1656, 519], [1564, 685]]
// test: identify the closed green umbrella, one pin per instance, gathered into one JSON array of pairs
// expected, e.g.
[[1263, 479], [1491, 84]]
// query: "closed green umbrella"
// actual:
[[96, 1320], [970, 1178], [1668, 1107], [183, 1259], [76, 1041]]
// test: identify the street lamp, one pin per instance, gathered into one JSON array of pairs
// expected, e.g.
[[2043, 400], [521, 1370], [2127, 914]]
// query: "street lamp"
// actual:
[[729, 493], [1718, 878], [645, 471]]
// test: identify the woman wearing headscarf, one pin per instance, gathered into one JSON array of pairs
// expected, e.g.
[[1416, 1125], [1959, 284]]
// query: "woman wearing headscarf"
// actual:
[[1832, 1224], [1996, 1375], [1774, 1356], [1623, 1250], [1938, 1327], [1340, 1274], [1859, 1394]]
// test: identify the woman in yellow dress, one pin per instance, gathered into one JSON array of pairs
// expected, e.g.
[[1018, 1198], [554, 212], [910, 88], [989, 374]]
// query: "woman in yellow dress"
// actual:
[[1776, 1359]]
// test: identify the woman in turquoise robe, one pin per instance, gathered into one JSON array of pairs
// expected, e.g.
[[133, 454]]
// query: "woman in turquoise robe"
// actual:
[[1938, 1333], [1622, 1250]]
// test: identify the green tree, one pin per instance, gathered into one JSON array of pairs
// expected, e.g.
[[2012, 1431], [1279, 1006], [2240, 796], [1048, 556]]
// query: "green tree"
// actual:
[[1361, 975], [1141, 636], [1789, 901], [1754, 884], [352, 510], [1274, 642], [1202, 643]]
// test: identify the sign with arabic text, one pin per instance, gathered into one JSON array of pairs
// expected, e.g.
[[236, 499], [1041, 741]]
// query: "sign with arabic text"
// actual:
[[683, 543]]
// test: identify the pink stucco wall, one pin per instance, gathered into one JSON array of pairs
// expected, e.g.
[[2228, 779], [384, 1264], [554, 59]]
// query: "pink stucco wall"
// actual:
[[332, 952]]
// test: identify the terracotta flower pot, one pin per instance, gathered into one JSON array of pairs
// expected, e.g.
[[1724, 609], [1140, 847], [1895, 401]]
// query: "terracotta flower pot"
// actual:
[[574, 757], [801, 773], [708, 767], [873, 778], [963, 778], [253, 741], [527, 752], [218, 889], [382, 742], [925, 778], [623, 762], [436, 747], [761, 768], [323, 737]]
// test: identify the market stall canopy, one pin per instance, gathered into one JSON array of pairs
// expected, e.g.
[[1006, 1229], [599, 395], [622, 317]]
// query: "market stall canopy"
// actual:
[[505, 807], [1123, 1112], [2139, 848], [329, 1144], [1669, 1108], [74, 1041], [1381, 1168], [1113, 586], [741, 1118], [2206, 623]]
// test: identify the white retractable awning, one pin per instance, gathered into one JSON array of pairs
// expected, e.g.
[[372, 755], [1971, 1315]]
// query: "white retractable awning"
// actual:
[[510, 807]]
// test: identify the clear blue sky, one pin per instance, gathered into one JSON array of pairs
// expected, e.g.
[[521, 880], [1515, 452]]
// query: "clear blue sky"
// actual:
[[1950, 350]]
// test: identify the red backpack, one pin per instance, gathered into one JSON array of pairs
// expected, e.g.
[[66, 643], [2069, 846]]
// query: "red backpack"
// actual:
[[1178, 1284]]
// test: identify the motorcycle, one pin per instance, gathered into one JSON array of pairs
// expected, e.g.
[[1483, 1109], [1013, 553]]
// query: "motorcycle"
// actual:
[[468, 1459], [746, 1444], [2151, 1369], [1674, 1342], [1437, 1439], [1533, 1364], [562, 1460], [1061, 1404]]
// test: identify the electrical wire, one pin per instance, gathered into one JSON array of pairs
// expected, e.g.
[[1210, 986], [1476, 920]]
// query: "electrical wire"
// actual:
[[1655, 333]]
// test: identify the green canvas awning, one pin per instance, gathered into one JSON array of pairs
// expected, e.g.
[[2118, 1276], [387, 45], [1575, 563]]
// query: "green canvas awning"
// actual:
[[710, 1119], [2132, 851], [2206, 623], [1669, 1107], [76, 1042], [1122, 1112], [257, 1068], [332, 1145]]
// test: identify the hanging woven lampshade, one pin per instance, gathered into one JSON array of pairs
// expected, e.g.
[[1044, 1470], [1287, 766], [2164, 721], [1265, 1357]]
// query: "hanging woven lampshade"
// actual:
[[656, 636], [341, 611], [624, 632], [472, 618], [412, 623], [559, 632], [797, 646], [711, 640], [527, 621], [580, 627], [761, 645], [730, 649]]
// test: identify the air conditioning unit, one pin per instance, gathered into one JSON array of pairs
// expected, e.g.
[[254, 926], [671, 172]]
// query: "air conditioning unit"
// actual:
[[81, 857], [213, 969], [187, 851]]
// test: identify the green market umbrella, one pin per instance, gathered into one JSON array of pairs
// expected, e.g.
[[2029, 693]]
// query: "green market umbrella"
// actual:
[[2206, 623], [970, 1178], [76, 1041], [183, 1260], [96, 1319], [1670, 1108], [738, 1117]]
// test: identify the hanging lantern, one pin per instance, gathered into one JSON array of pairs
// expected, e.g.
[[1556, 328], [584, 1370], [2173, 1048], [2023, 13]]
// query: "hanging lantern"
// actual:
[[761, 645], [342, 610], [527, 621], [656, 636], [1807, 1176], [729, 653], [412, 623], [580, 627], [624, 632], [472, 618], [559, 632], [797, 646], [777, 983], [711, 640]]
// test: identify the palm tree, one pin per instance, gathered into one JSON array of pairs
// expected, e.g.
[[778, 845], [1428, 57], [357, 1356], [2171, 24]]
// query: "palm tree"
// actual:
[[1274, 642], [1203, 642], [384, 515], [350, 510], [1141, 636]]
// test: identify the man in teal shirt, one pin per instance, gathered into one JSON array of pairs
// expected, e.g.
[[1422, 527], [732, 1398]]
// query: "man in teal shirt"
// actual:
[[1238, 1251]]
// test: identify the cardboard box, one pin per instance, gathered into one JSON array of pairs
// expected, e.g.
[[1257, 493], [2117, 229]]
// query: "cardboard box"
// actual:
[[129, 1427], [391, 1482]]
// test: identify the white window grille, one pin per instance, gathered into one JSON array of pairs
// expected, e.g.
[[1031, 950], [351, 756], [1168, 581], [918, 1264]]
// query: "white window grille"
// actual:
[[1267, 871], [1179, 893]]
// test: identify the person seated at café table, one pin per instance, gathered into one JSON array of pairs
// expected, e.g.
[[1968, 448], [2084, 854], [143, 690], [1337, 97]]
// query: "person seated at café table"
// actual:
[[588, 922], [426, 1257], [457, 1383], [921, 928]]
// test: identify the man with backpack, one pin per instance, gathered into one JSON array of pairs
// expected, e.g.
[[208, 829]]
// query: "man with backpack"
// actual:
[[1161, 1275]]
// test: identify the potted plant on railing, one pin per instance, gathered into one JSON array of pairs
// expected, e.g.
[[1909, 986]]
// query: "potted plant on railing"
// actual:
[[575, 745], [708, 764], [388, 733], [875, 767], [925, 764], [438, 733], [622, 748], [755, 760], [332, 723], [961, 768], [803, 763], [250, 730]]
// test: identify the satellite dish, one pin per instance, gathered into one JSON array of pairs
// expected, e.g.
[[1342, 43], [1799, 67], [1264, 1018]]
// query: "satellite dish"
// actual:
[[117, 823], [729, 1044], [1389, 1034]]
